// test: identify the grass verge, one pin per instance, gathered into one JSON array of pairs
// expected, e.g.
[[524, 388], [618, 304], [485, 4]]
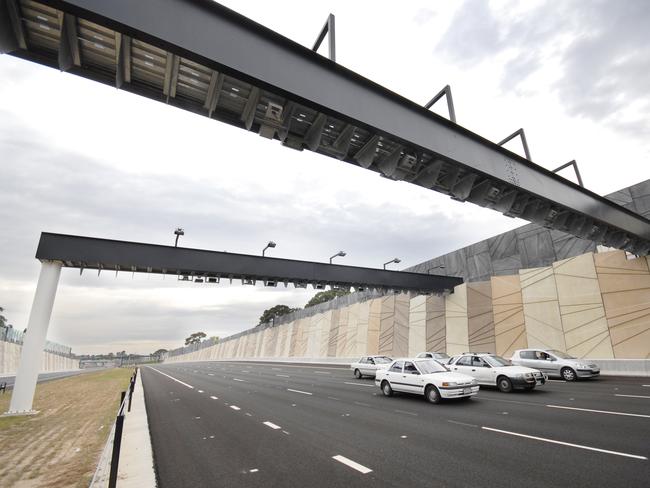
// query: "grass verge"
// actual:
[[60, 447]]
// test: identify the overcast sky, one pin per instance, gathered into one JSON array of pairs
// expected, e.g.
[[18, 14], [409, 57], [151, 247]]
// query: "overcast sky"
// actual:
[[82, 158]]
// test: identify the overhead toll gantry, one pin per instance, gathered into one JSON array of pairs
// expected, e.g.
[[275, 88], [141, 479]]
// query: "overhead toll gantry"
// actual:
[[202, 266], [200, 56]]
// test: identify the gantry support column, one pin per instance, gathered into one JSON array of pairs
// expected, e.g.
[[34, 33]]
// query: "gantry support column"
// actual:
[[30, 358]]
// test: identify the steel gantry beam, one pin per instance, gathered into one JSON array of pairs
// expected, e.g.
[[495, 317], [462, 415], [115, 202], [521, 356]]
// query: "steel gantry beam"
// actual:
[[87, 253], [203, 57]]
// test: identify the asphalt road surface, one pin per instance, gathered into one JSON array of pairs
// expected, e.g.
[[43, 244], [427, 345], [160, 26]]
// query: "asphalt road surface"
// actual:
[[221, 424]]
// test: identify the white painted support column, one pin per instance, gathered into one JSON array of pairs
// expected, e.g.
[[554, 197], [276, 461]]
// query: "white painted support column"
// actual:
[[22, 396]]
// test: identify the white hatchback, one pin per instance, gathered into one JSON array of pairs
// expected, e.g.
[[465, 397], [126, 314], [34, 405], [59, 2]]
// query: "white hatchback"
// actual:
[[425, 377]]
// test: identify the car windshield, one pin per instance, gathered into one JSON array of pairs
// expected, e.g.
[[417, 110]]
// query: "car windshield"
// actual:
[[430, 366], [382, 359], [561, 355], [496, 361]]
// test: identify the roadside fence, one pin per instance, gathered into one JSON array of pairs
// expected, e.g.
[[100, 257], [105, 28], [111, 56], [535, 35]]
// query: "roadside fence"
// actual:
[[116, 434]]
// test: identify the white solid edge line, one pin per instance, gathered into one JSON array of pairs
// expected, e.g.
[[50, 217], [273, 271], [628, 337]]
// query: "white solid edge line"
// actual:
[[272, 425], [171, 377], [358, 384], [283, 375], [235, 407], [600, 411], [632, 396], [352, 464], [237, 379], [543, 439], [298, 391], [214, 398]]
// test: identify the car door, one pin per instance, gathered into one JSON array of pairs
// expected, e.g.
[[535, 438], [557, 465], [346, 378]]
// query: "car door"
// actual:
[[394, 375], [463, 365], [363, 366], [412, 378], [482, 371], [528, 359], [543, 361]]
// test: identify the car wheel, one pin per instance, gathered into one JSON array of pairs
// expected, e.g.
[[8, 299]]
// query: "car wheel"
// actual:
[[568, 374], [386, 389], [504, 384], [432, 394], [357, 374]]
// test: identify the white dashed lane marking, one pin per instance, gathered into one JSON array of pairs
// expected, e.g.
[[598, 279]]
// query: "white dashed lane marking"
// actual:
[[200, 391], [298, 391], [632, 396], [407, 413], [283, 375], [272, 425], [237, 379], [600, 411], [235, 407], [322, 372], [352, 464], [568, 444], [171, 377], [214, 398], [358, 384]]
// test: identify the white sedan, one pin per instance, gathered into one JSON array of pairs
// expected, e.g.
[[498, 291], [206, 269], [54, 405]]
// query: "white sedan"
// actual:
[[368, 365], [493, 370], [425, 377]]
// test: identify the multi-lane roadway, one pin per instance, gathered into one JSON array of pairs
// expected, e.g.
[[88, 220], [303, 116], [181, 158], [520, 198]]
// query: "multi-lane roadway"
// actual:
[[237, 424]]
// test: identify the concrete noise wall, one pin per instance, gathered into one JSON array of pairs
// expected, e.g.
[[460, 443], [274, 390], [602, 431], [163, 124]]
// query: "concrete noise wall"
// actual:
[[10, 358], [591, 306]]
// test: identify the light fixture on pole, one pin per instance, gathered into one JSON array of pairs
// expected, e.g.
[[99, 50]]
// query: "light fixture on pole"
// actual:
[[396, 260], [179, 232], [270, 244], [440, 266], [340, 253]]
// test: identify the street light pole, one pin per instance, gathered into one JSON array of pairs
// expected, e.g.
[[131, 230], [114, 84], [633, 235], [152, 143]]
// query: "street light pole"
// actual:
[[270, 244], [179, 232], [340, 253], [394, 260], [440, 266]]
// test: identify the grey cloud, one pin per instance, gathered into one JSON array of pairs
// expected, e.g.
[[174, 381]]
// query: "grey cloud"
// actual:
[[605, 68], [45, 188]]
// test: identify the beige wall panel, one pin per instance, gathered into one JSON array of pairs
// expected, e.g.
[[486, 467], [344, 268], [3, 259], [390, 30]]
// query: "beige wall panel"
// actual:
[[281, 348], [508, 311], [334, 333], [259, 344], [362, 329], [302, 327], [387, 325], [480, 321], [271, 341], [541, 308], [417, 325], [313, 337], [436, 326], [342, 340], [288, 334], [350, 349], [401, 331], [625, 287], [324, 324], [294, 339], [457, 337], [374, 324], [581, 306]]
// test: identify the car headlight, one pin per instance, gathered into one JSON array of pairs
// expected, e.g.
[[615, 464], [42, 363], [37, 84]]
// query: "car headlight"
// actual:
[[474, 382], [528, 375], [449, 383]]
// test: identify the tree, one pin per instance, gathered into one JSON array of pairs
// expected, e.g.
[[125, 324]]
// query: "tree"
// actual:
[[194, 338], [159, 352], [325, 296], [3, 320], [273, 312]]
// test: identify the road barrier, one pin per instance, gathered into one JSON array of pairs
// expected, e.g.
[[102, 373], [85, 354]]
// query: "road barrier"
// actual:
[[125, 406]]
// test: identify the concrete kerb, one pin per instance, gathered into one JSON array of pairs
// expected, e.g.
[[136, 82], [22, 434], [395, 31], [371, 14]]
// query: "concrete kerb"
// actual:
[[136, 466]]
